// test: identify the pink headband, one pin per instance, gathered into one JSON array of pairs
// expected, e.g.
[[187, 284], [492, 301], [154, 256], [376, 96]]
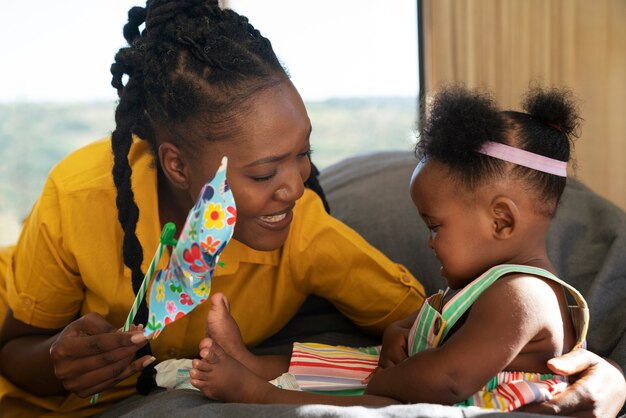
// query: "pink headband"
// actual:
[[524, 158]]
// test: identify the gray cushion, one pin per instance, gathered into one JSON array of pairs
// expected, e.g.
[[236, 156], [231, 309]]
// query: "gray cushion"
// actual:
[[370, 193]]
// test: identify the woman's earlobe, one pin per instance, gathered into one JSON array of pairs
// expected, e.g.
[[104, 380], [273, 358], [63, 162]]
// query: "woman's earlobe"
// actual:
[[505, 215], [173, 165]]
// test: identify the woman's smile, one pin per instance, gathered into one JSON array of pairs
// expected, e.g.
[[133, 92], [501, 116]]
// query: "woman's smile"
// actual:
[[277, 221]]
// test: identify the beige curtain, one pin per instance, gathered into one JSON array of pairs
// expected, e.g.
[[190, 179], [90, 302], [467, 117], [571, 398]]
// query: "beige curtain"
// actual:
[[504, 45]]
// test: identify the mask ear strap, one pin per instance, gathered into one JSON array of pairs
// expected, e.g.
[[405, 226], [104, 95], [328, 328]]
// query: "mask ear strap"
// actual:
[[524, 158]]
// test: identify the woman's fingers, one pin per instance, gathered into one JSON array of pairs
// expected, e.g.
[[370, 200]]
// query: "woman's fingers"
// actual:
[[82, 364], [93, 345], [86, 387], [90, 354], [90, 324], [598, 391], [574, 362]]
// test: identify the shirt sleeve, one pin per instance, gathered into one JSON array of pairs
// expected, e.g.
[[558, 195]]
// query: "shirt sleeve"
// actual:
[[333, 261], [44, 288]]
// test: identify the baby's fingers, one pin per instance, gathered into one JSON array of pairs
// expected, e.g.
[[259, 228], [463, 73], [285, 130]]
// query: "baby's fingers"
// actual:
[[369, 376]]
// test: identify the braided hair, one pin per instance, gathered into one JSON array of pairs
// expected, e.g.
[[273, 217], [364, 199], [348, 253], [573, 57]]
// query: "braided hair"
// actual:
[[460, 121], [191, 57]]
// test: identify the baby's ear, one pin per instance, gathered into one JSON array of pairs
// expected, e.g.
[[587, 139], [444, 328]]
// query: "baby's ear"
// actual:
[[505, 217], [173, 165]]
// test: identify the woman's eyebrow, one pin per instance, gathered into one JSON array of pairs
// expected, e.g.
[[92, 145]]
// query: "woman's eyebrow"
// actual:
[[275, 158], [268, 159]]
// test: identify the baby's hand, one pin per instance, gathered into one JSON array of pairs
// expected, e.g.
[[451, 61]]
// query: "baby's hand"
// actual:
[[394, 348], [369, 376]]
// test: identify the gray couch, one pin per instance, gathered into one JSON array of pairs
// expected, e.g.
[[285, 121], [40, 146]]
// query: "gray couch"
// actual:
[[587, 243]]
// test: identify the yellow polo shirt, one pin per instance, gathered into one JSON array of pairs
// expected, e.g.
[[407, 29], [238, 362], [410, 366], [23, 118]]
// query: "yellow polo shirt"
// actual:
[[68, 262], [5, 259]]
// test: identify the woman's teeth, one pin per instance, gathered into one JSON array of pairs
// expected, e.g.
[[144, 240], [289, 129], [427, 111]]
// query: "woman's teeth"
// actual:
[[275, 218]]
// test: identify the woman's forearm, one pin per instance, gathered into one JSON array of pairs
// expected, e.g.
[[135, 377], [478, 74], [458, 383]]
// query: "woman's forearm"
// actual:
[[26, 362]]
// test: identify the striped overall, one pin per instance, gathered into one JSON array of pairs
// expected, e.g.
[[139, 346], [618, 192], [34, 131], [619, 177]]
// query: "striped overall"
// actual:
[[340, 370], [507, 390]]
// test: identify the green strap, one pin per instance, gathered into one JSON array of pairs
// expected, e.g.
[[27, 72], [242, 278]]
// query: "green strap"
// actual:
[[460, 303]]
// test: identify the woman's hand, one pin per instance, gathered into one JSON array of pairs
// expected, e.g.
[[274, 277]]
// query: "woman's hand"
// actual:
[[598, 391], [90, 355]]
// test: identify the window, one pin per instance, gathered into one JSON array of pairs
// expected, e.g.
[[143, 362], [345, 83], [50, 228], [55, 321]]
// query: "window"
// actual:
[[355, 64], [353, 61]]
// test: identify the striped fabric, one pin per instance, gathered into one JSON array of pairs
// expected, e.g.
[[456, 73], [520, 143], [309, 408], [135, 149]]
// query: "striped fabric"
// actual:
[[340, 370], [511, 390], [327, 368], [431, 327]]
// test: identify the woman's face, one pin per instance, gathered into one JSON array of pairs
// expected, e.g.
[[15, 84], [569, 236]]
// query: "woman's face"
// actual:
[[268, 162], [459, 225]]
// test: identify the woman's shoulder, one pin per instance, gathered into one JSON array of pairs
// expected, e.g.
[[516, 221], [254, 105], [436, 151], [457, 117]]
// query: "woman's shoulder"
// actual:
[[90, 166]]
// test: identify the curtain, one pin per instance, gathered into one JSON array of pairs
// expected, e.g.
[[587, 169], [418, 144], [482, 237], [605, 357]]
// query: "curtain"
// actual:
[[505, 45]]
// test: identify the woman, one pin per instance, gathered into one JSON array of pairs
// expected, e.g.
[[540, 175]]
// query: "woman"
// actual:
[[196, 84]]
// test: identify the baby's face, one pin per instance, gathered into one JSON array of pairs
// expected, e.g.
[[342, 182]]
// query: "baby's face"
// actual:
[[458, 221]]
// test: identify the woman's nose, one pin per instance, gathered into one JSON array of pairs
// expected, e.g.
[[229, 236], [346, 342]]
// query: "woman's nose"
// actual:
[[292, 188]]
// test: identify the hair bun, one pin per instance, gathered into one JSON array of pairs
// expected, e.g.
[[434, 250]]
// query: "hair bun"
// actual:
[[460, 121], [553, 107]]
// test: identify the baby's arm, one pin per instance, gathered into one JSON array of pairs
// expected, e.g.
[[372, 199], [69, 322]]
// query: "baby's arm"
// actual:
[[506, 323]]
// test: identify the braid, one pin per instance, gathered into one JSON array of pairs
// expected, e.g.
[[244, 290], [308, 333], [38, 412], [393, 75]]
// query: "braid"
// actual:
[[130, 117], [127, 112], [136, 17]]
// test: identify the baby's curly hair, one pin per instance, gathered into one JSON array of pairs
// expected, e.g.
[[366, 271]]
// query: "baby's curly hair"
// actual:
[[459, 121]]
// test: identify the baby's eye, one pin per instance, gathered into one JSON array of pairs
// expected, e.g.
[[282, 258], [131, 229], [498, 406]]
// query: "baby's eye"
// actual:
[[306, 153], [433, 230]]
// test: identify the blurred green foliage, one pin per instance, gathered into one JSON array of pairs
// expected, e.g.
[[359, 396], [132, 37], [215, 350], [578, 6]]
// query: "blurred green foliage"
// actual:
[[34, 137]]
